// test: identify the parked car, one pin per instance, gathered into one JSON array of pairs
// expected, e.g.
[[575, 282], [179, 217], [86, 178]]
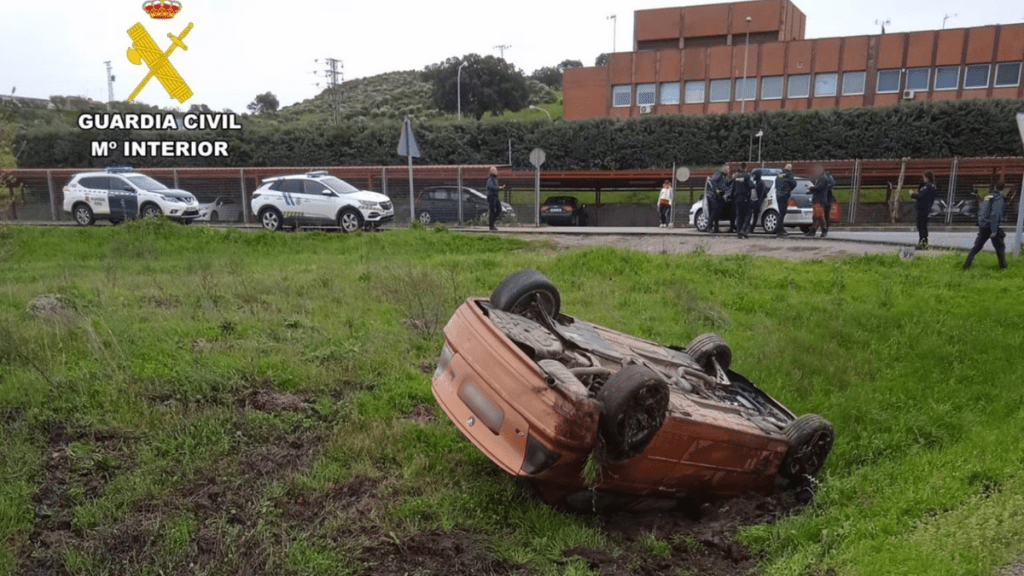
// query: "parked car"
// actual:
[[539, 392], [119, 194], [441, 204], [223, 209], [317, 199], [563, 210], [799, 211]]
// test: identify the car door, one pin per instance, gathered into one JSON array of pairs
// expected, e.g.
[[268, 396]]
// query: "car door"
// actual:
[[123, 199], [320, 203], [290, 202]]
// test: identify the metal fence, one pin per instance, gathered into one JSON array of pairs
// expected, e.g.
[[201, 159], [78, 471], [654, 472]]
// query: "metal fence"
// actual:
[[862, 187]]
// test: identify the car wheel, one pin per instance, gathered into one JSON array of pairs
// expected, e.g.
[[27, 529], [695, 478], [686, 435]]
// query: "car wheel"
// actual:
[[214, 217], [425, 218], [770, 221], [633, 404], [810, 439], [706, 347], [350, 220], [524, 292], [700, 220], [271, 219], [83, 215], [151, 211]]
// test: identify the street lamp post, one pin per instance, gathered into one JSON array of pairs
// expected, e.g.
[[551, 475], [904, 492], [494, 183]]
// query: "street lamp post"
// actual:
[[532, 107], [458, 88], [759, 134], [746, 53], [614, 18]]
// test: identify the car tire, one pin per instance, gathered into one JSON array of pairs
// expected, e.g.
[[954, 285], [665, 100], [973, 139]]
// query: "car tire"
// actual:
[[707, 346], [770, 221], [214, 217], [425, 218], [700, 221], [83, 215], [633, 404], [522, 290], [350, 220], [151, 211], [271, 219], [810, 438]]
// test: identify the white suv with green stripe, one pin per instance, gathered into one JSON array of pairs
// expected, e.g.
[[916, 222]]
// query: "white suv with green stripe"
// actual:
[[318, 200]]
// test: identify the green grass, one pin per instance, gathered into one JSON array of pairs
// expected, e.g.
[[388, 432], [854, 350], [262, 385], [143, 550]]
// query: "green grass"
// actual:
[[138, 434]]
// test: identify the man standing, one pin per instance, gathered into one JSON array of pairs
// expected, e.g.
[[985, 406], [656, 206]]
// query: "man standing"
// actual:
[[819, 197], [758, 204], [493, 201], [742, 190], [925, 196], [784, 186], [665, 203], [716, 197], [989, 216]]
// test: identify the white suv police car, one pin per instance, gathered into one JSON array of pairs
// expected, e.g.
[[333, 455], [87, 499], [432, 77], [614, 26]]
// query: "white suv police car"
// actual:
[[318, 199], [119, 194]]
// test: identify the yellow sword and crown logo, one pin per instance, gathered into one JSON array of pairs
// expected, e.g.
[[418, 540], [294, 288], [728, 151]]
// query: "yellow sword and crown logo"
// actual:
[[144, 49]]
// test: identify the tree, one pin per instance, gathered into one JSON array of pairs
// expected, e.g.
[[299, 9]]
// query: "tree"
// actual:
[[489, 84], [549, 76], [601, 60], [569, 64], [265, 102]]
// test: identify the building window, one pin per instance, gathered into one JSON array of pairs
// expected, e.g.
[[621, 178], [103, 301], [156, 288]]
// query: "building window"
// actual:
[[947, 78], [853, 83], [746, 89], [720, 90], [695, 91], [917, 79], [622, 96], [888, 81], [825, 84], [1008, 74], [976, 76], [645, 95], [670, 93], [771, 88], [800, 86]]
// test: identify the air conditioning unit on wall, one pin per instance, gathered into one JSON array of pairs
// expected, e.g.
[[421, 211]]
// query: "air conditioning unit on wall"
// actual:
[[646, 108], [908, 94]]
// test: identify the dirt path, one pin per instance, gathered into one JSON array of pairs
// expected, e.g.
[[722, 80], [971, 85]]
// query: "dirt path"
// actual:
[[794, 247]]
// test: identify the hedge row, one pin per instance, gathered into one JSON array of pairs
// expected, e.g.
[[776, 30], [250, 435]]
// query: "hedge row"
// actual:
[[921, 130]]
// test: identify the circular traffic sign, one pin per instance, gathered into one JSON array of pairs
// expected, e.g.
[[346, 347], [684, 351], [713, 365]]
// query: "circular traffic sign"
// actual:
[[683, 174]]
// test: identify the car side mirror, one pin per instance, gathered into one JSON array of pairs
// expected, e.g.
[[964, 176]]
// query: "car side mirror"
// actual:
[[326, 193]]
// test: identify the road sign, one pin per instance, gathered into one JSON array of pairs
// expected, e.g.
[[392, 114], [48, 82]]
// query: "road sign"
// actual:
[[683, 174], [537, 157], [407, 145]]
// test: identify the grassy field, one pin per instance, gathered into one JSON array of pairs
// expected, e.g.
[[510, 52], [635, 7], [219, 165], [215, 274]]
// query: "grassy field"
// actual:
[[222, 402]]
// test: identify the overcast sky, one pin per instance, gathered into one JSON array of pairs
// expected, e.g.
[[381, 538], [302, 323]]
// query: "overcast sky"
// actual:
[[238, 49]]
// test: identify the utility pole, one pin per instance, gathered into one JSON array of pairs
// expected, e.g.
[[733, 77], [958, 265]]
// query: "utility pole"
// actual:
[[947, 17], [335, 74], [502, 48], [110, 85]]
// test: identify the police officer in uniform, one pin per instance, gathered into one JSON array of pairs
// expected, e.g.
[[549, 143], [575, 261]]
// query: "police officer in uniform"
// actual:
[[784, 186], [716, 197], [743, 197], [989, 216]]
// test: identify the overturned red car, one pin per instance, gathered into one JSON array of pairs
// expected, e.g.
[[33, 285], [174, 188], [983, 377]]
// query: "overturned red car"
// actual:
[[600, 420]]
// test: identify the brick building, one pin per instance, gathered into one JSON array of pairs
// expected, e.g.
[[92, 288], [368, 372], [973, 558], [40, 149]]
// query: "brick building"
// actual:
[[698, 60]]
